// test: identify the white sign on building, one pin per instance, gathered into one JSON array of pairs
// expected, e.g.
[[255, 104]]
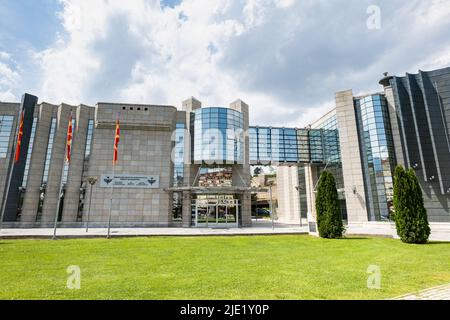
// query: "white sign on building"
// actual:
[[129, 181]]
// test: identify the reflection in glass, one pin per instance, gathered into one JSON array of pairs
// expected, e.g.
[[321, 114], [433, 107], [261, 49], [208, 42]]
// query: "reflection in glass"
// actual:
[[377, 153]]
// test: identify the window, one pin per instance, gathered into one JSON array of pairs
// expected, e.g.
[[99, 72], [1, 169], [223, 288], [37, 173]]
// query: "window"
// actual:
[[6, 123], [178, 157], [218, 135], [90, 133]]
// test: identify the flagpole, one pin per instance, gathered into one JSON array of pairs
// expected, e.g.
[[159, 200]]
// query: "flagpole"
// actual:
[[115, 155], [59, 200], [111, 201], [11, 169]]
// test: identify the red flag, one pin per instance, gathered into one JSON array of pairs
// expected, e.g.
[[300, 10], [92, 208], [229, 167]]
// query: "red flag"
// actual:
[[116, 142], [69, 139], [19, 138]]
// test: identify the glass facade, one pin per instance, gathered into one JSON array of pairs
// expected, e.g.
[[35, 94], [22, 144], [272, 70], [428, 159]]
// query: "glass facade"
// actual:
[[6, 123], [316, 146], [90, 134], [216, 177], [288, 145], [327, 150], [178, 155], [273, 145], [218, 136], [378, 155]]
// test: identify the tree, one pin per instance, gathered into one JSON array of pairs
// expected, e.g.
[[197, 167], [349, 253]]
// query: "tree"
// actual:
[[257, 171], [329, 220], [410, 215]]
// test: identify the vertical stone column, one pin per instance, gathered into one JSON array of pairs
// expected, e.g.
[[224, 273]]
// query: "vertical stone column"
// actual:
[[241, 172], [36, 172], [190, 169], [287, 194], [311, 178], [187, 210], [8, 109], [56, 165], [74, 179], [355, 193]]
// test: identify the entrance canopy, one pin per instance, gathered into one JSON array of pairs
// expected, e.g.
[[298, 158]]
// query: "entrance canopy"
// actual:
[[217, 190]]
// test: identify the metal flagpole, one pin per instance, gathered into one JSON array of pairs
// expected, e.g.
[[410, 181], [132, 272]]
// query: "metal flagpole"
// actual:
[[59, 199], [116, 146], [11, 169], [89, 209], [91, 181], [271, 206], [111, 201]]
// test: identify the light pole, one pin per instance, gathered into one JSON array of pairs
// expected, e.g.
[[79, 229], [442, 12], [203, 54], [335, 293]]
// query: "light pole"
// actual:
[[271, 205], [300, 203], [92, 181]]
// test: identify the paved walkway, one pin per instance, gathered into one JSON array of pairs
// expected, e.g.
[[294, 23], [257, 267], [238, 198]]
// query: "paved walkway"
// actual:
[[258, 228], [436, 293]]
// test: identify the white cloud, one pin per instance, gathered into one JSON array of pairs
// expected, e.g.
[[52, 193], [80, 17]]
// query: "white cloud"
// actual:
[[9, 77], [4, 55], [285, 58]]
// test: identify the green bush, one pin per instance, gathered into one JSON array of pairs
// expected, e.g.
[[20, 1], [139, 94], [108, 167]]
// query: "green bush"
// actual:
[[329, 220], [410, 214]]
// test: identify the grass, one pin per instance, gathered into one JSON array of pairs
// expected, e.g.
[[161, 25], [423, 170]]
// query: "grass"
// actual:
[[259, 267]]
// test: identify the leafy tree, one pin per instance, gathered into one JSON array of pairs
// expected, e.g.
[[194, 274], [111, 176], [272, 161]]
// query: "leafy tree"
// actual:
[[329, 220], [257, 171], [410, 214]]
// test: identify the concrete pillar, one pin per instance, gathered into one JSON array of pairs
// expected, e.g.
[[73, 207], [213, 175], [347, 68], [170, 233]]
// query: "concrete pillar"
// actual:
[[56, 165], [190, 169], [36, 172], [287, 194], [311, 179], [72, 193], [246, 209], [355, 193], [12, 110], [241, 172], [187, 210]]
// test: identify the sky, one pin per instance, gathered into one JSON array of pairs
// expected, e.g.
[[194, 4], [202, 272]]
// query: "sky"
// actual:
[[284, 58]]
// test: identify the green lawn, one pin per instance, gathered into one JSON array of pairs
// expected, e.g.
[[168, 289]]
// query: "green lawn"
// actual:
[[271, 267]]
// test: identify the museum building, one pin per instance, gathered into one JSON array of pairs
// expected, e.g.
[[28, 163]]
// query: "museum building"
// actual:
[[192, 167]]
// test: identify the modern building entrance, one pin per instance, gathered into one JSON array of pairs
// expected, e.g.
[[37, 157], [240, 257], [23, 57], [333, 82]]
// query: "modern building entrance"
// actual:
[[216, 212]]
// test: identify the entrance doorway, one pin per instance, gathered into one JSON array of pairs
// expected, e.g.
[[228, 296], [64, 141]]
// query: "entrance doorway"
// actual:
[[216, 213]]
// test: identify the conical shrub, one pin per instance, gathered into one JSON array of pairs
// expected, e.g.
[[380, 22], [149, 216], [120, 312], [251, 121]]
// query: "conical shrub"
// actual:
[[410, 214], [329, 219]]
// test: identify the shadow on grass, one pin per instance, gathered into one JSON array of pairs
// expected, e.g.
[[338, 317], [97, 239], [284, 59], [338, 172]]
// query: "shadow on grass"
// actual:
[[436, 242]]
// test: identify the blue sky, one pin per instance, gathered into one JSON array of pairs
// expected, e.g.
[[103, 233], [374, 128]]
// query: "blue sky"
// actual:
[[28, 23], [285, 58]]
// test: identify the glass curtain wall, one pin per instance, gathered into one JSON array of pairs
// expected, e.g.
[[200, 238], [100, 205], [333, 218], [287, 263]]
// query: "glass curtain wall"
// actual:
[[378, 155], [218, 136], [289, 145], [6, 123]]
